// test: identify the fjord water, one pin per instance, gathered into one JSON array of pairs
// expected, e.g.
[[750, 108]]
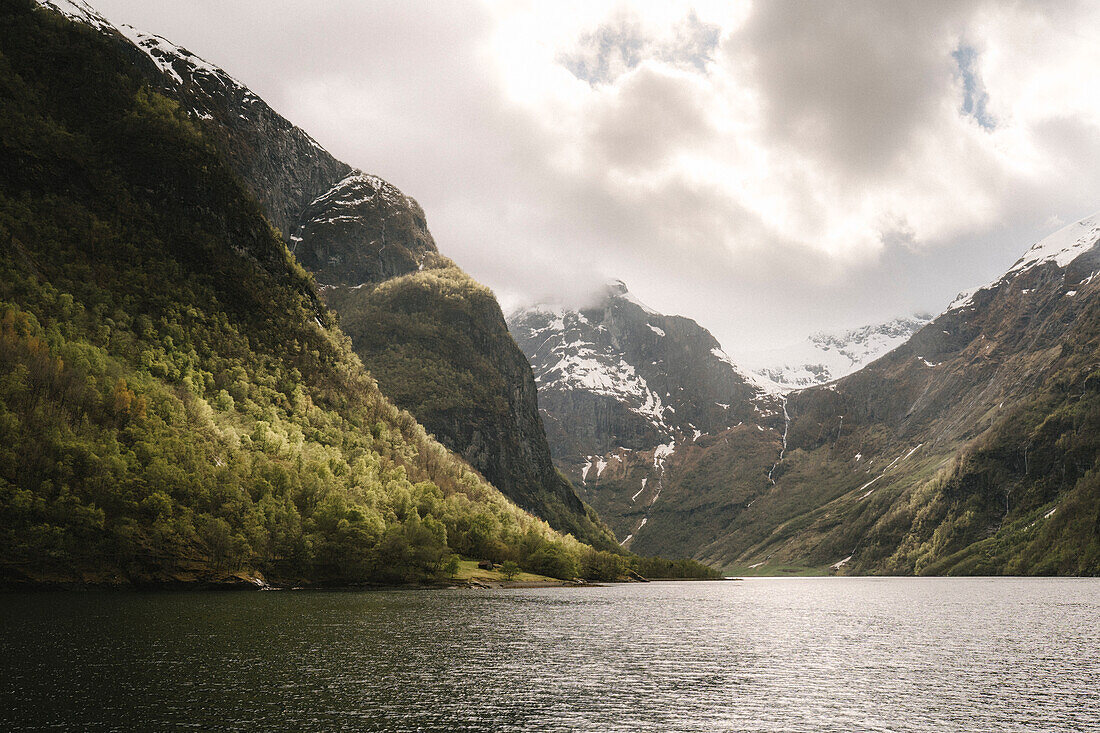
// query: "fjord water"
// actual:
[[826, 654]]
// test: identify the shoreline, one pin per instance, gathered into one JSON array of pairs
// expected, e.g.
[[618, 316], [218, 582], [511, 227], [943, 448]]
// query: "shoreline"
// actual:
[[177, 586], [248, 583]]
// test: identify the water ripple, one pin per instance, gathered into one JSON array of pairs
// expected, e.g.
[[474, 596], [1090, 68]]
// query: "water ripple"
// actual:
[[831, 654]]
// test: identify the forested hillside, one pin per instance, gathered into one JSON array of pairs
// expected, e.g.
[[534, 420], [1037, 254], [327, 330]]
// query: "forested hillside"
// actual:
[[354, 231], [176, 403]]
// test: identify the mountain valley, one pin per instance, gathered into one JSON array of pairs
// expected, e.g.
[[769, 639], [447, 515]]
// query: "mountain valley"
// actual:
[[925, 460], [227, 357]]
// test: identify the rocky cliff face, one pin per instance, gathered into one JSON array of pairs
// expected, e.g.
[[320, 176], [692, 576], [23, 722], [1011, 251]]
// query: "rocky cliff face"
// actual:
[[628, 395], [355, 231], [362, 230]]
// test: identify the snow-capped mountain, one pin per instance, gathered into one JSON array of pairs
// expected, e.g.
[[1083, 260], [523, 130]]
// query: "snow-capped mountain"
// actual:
[[668, 374], [624, 390], [828, 355], [1061, 248]]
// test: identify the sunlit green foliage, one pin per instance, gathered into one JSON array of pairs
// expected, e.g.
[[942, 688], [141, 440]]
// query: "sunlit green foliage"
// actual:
[[436, 341], [172, 392]]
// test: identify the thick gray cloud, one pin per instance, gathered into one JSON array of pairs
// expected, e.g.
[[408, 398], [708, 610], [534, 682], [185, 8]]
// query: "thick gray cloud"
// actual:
[[768, 169], [850, 83]]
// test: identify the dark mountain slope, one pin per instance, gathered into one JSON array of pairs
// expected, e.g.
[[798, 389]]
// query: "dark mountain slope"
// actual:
[[635, 403], [354, 231], [174, 403], [438, 344], [971, 449]]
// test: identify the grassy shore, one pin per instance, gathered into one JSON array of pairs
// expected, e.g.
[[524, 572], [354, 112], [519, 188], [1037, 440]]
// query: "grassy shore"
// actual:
[[469, 571]]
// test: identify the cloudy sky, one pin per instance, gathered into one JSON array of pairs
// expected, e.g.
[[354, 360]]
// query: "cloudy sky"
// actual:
[[768, 168]]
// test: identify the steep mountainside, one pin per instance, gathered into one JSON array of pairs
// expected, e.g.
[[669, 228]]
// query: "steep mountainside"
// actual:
[[438, 344], [972, 448], [354, 231], [361, 231], [175, 403], [827, 355], [632, 400]]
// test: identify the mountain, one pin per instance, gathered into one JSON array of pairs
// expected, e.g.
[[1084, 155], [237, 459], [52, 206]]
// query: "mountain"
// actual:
[[434, 338], [828, 355], [633, 400], [969, 448], [972, 448], [177, 404]]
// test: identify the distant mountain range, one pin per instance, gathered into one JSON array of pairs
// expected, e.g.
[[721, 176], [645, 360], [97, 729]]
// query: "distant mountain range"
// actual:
[[828, 355], [966, 443]]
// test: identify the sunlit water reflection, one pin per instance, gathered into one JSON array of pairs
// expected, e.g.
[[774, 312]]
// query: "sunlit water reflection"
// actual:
[[829, 654]]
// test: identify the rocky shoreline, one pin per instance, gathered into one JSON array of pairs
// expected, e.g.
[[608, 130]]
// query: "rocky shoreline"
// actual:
[[242, 580], [200, 577]]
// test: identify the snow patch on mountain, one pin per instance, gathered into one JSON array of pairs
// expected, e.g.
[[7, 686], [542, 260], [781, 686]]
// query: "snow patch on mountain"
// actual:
[[573, 360], [79, 11], [359, 188], [172, 59], [829, 355], [1062, 247]]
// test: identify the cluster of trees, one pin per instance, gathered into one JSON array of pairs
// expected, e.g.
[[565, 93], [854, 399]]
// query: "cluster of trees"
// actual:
[[659, 567]]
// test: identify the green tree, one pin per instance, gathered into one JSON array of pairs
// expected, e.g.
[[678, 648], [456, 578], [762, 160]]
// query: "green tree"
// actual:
[[553, 559], [510, 569]]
